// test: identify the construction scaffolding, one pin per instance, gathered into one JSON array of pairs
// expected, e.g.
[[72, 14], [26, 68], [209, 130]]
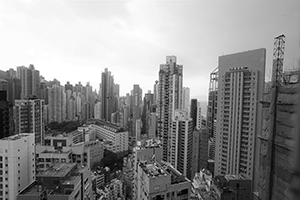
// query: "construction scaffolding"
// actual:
[[279, 130]]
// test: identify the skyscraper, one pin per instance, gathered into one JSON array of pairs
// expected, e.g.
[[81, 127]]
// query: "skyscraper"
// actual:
[[5, 116], [155, 92], [212, 101], [193, 112], [136, 109], [170, 98], [57, 104], [13, 88], [147, 109], [186, 99], [29, 118], [200, 150], [30, 81], [199, 117], [240, 88], [181, 142], [107, 94]]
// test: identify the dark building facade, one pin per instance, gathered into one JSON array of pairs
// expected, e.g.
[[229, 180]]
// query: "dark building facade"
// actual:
[[194, 111]]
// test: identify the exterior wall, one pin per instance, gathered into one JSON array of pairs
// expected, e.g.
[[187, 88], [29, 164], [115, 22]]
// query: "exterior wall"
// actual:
[[119, 139], [181, 142], [195, 152], [152, 125], [30, 81], [29, 115], [199, 117], [170, 98], [240, 87], [17, 164], [56, 104], [186, 99]]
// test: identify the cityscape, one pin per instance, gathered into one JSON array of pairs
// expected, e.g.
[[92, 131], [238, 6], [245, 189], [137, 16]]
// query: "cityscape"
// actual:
[[94, 105]]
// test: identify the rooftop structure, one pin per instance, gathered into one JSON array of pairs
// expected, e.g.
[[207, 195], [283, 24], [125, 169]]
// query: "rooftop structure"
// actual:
[[153, 169], [15, 137], [157, 181], [61, 181], [57, 170]]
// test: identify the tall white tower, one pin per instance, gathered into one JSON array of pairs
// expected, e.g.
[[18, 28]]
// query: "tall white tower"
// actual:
[[240, 88], [17, 164]]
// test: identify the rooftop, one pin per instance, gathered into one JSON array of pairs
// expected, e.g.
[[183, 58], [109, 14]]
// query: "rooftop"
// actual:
[[57, 151], [236, 177], [71, 180], [176, 176], [153, 169], [109, 126], [32, 189], [16, 137], [57, 170]]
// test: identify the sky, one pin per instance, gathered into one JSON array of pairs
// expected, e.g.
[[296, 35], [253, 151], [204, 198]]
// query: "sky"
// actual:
[[76, 40]]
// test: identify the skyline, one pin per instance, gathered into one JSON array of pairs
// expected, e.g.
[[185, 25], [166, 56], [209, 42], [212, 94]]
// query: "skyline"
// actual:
[[132, 38]]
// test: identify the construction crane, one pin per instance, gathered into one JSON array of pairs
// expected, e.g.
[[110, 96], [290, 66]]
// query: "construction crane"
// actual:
[[277, 80]]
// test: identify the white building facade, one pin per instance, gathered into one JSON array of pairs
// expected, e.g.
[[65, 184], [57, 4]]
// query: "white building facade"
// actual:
[[17, 166]]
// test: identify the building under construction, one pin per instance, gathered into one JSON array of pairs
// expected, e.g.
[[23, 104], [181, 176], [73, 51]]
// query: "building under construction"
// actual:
[[277, 139]]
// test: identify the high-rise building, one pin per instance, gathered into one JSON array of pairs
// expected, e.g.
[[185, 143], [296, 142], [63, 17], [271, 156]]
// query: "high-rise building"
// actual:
[[136, 109], [30, 81], [212, 102], [107, 94], [155, 92], [274, 167], [146, 152], [193, 112], [6, 116], [203, 149], [181, 142], [152, 125], [71, 105], [199, 117], [147, 109], [170, 98], [57, 104], [200, 150], [29, 118], [138, 130], [239, 116], [186, 99], [13, 89], [17, 164], [97, 110]]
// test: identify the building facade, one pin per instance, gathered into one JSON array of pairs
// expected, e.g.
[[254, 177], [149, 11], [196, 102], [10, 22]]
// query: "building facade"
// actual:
[[29, 118], [17, 164], [240, 88], [170, 98], [30, 81], [181, 142]]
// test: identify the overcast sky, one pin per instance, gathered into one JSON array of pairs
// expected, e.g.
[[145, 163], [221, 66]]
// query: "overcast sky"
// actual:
[[75, 40]]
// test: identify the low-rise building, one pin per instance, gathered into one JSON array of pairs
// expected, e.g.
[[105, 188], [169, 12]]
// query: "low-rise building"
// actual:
[[61, 181], [116, 136], [232, 186], [88, 154]]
